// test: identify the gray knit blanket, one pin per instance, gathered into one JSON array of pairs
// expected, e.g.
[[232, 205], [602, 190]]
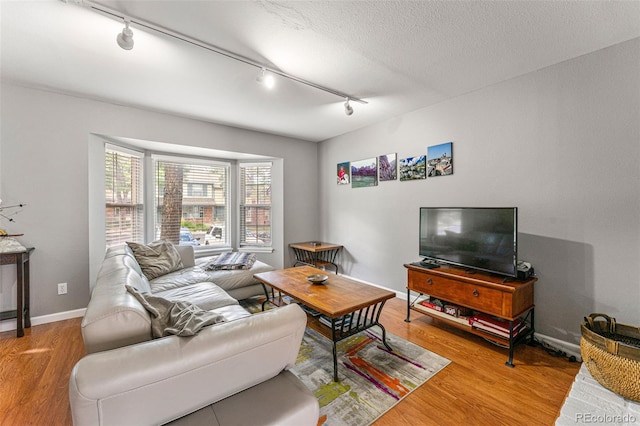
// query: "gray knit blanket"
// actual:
[[181, 318], [234, 260]]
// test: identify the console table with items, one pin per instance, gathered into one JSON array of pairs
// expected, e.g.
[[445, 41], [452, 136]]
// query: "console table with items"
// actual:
[[506, 299], [22, 314], [316, 253]]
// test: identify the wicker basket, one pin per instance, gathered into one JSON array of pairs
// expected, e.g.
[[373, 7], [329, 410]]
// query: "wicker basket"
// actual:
[[611, 353]]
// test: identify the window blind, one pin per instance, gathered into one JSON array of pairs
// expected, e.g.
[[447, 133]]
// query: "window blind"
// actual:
[[255, 204], [124, 218]]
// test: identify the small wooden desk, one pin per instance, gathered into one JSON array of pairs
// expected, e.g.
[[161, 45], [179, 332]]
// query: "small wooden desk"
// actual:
[[22, 314], [316, 253]]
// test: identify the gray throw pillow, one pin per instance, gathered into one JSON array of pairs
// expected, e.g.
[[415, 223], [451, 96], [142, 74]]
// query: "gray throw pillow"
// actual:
[[157, 258]]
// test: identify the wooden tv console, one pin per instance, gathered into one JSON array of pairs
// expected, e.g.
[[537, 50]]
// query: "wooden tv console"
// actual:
[[505, 298]]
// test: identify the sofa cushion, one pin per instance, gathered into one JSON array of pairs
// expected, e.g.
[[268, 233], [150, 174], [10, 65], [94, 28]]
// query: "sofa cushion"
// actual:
[[232, 312], [157, 258], [114, 317], [175, 317], [233, 279], [225, 279], [282, 400], [205, 295]]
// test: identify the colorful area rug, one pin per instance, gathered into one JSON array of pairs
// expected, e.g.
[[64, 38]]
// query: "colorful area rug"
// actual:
[[371, 380]]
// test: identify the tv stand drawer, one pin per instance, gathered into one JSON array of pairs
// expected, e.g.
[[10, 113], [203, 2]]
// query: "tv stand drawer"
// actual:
[[466, 294]]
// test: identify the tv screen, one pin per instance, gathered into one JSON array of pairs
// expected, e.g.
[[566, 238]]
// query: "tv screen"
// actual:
[[482, 238]]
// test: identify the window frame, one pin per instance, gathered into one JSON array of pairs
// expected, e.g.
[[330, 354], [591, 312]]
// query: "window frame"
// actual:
[[154, 158], [242, 244]]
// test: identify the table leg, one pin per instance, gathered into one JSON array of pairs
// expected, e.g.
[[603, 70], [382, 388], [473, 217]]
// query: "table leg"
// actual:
[[384, 337], [20, 302], [509, 363], [408, 319], [27, 295], [266, 294], [335, 362]]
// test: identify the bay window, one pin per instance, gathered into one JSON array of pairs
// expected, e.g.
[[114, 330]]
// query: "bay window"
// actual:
[[209, 204]]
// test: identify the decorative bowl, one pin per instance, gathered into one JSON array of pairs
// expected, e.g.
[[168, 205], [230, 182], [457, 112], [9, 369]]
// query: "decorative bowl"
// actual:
[[317, 278]]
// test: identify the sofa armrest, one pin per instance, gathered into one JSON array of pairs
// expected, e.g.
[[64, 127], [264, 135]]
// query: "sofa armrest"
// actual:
[[187, 255], [160, 380]]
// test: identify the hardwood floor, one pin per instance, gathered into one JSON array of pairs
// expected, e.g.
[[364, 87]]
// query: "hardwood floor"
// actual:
[[475, 389], [34, 373]]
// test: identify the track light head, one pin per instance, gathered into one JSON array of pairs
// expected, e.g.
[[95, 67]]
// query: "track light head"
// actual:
[[265, 79], [347, 108], [125, 38]]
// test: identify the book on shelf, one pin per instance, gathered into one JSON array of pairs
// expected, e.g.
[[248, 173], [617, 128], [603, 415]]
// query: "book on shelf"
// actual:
[[338, 321], [310, 311], [457, 310], [517, 329], [493, 322], [288, 300], [427, 303]]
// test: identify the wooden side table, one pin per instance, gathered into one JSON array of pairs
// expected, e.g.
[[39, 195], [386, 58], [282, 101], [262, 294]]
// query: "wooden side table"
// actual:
[[316, 253], [22, 314]]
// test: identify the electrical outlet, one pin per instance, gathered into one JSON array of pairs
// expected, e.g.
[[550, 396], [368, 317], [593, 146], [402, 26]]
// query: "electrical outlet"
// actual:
[[62, 288]]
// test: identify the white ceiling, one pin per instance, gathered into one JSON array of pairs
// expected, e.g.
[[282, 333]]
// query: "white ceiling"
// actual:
[[399, 56]]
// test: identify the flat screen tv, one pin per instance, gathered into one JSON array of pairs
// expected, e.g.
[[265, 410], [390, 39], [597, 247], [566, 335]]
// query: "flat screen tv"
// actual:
[[478, 238]]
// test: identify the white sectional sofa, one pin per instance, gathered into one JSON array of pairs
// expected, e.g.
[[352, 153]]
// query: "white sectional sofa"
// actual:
[[233, 372]]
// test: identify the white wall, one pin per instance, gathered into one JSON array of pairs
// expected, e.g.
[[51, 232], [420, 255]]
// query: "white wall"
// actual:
[[45, 139], [562, 144]]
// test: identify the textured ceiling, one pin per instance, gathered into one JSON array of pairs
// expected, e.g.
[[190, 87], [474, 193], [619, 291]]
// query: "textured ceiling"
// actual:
[[399, 56]]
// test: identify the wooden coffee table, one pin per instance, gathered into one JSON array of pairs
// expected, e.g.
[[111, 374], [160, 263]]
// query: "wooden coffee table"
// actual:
[[348, 306]]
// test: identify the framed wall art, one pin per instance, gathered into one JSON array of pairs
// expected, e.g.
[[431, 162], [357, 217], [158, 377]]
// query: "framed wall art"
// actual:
[[440, 160], [413, 168], [344, 173], [387, 167], [364, 173]]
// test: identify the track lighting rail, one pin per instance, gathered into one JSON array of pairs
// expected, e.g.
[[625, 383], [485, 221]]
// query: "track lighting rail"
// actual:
[[157, 28]]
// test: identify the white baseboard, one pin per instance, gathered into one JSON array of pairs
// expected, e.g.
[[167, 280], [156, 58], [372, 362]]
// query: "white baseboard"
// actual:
[[10, 324], [566, 347]]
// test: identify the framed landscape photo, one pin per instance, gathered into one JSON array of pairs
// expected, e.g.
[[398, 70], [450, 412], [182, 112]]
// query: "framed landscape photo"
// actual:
[[413, 168], [364, 173], [343, 173], [440, 160], [387, 167]]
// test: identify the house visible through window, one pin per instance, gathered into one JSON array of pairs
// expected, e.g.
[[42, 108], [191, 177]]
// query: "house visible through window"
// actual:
[[255, 204], [191, 200], [124, 214]]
